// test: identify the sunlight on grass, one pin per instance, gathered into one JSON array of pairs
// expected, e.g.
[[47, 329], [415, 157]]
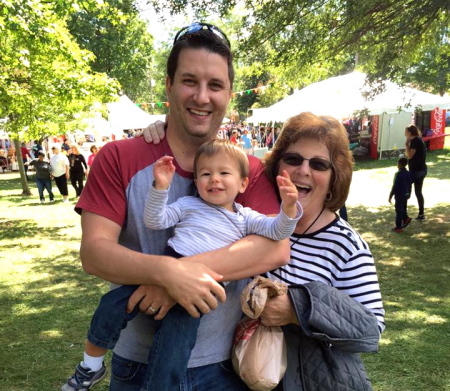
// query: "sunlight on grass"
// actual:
[[396, 261], [47, 299], [52, 333], [414, 316]]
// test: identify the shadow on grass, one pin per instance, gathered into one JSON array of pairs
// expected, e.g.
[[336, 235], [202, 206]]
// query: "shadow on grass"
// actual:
[[437, 162], [26, 229], [414, 273]]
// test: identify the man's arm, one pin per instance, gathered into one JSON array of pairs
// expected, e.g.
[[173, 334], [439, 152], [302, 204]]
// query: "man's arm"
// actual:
[[247, 257], [192, 285]]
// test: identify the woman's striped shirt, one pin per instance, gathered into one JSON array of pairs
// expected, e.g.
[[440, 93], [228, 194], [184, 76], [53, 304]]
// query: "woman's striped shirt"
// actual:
[[337, 256]]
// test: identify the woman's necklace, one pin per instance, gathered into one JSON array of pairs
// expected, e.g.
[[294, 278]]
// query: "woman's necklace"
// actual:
[[309, 226]]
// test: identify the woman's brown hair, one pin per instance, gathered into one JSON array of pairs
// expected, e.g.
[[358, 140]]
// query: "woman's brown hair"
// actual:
[[333, 135]]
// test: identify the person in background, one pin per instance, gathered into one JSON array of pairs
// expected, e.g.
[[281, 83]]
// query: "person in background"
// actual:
[[25, 155], [401, 191], [43, 178], [3, 161], [416, 152], [246, 142], [94, 151], [65, 147], [36, 148], [343, 213], [234, 137], [60, 171], [77, 170]]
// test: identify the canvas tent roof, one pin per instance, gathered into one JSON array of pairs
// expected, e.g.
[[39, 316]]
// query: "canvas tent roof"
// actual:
[[124, 114], [341, 96]]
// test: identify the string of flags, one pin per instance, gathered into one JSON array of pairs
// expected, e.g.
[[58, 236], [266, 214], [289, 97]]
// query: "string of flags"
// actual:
[[255, 90]]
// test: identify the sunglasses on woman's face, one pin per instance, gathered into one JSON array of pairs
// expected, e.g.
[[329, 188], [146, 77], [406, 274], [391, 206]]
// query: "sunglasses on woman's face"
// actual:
[[315, 163]]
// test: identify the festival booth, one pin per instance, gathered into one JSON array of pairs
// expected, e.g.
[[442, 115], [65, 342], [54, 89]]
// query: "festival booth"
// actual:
[[125, 115], [380, 133]]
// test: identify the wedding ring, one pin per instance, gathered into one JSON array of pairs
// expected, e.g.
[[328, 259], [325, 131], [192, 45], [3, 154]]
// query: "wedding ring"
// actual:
[[151, 309]]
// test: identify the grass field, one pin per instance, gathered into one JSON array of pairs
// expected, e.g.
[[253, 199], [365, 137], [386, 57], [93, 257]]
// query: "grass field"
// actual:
[[47, 300]]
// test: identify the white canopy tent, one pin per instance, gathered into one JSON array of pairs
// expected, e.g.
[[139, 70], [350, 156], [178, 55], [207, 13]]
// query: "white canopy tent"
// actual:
[[341, 96], [124, 114]]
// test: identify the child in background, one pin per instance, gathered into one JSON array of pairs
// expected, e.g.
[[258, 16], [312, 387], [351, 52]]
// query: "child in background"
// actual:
[[401, 190], [208, 222]]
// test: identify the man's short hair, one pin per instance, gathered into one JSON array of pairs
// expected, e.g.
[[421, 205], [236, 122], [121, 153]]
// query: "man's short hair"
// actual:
[[201, 39]]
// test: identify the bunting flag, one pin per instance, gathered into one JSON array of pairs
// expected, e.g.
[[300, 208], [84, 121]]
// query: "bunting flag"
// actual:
[[255, 90]]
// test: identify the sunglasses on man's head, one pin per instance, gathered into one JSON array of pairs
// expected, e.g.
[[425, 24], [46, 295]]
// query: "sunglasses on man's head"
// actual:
[[197, 26], [315, 163]]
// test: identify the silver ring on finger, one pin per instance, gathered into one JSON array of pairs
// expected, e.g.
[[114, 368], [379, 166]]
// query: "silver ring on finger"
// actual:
[[151, 309]]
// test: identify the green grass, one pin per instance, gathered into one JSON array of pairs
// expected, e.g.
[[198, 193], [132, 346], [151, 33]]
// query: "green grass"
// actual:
[[47, 300]]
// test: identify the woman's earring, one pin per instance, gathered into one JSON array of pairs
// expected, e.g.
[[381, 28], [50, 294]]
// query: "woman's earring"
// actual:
[[329, 196]]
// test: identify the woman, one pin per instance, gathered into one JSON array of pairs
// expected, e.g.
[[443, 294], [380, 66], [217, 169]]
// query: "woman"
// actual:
[[333, 310], [77, 169], [416, 152], [91, 157]]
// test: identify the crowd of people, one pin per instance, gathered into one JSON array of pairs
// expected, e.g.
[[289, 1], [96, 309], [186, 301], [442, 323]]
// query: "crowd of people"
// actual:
[[250, 137], [62, 163]]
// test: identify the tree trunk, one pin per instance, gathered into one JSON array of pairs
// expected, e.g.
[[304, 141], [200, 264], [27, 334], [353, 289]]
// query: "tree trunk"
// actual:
[[23, 179]]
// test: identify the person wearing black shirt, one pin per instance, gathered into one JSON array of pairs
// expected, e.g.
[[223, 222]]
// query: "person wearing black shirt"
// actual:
[[416, 152], [78, 167]]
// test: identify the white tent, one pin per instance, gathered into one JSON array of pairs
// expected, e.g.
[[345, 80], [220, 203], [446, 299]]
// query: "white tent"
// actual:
[[341, 96], [124, 114]]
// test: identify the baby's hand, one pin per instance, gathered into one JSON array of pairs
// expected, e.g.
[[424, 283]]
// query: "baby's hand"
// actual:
[[288, 193], [163, 171]]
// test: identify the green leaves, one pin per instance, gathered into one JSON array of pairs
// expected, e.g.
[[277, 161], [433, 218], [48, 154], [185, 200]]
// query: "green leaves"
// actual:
[[45, 78]]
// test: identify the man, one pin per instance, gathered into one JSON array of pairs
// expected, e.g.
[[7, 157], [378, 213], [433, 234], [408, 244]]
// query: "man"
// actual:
[[117, 247], [60, 171]]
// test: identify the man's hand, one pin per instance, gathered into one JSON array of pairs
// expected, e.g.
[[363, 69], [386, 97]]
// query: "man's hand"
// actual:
[[152, 300], [194, 286], [163, 171], [288, 193]]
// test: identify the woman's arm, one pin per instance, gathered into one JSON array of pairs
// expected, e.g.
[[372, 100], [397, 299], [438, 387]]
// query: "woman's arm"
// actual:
[[330, 315]]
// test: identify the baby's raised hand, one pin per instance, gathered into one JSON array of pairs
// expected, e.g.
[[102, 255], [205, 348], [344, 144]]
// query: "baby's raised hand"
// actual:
[[163, 171], [288, 193]]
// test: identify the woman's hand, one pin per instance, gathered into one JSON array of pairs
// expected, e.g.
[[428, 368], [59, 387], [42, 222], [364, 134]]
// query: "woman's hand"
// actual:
[[279, 311], [288, 194], [154, 133]]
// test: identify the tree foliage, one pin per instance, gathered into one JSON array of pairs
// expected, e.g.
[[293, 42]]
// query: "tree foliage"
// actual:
[[120, 42], [45, 78], [314, 39], [46, 83]]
